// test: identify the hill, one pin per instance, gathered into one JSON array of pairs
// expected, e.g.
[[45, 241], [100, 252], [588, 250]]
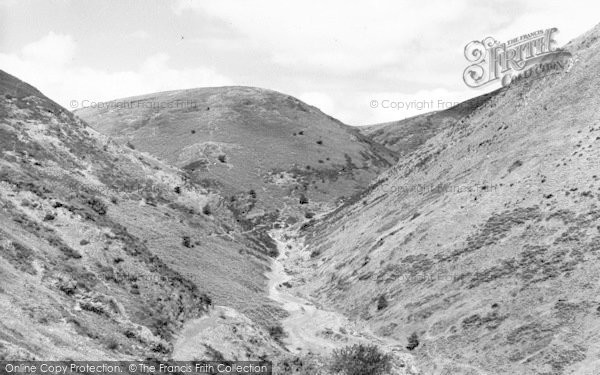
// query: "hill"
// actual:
[[105, 252], [240, 139], [406, 135], [483, 242]]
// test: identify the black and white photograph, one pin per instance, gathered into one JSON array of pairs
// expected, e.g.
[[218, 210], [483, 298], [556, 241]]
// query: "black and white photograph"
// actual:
[[286, 187]]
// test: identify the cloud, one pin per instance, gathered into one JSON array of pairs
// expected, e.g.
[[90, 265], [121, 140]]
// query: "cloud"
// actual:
[[336, 55], [319, 100], [53, 49], [139, 34], [336, 35], [48, 65], [339, 55]]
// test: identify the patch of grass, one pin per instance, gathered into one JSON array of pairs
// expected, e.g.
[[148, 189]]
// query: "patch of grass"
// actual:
[[20, 256]]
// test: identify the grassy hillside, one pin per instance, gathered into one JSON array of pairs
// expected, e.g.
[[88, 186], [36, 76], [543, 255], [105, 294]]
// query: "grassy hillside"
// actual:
[[407, 135], [484, 242], [241, 139], [104, 251]]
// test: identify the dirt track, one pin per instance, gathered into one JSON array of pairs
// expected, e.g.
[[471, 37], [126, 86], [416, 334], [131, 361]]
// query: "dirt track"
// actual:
[[307, 325]]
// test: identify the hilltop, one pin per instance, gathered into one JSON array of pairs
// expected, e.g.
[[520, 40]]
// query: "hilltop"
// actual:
[[241, 139]]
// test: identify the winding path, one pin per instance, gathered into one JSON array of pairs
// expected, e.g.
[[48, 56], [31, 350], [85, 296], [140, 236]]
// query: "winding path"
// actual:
[[309, 328]]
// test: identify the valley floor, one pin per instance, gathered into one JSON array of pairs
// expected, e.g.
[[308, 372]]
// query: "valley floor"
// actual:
[[309, 329]]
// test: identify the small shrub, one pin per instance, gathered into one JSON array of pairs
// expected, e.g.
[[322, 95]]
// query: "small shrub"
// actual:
[[222, 158], [97, 205], [177, 190], [84, 242], [206, 210], [193, 132], [319, 142], [69, 252], [382, 302], [360, 359], [303, 199], [214, 354], [49, 217], [94, 307], [515, 165], [277, 332], [187, 242], [309, 215], [413, 341], [67, 286], [112, 344]]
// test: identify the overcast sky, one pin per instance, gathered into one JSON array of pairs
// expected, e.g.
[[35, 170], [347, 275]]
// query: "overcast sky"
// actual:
[[337, 55]]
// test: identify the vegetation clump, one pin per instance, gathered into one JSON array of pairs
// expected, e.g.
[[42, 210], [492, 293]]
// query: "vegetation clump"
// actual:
[[360, 359], [277, 333], [187, 242], [97, 205], [303, 199], [382, 303], [413, 341]]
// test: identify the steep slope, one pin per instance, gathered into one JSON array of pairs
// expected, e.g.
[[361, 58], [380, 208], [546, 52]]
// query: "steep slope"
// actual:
[[485, 240], [242, 139], [407, 135], [106, 252]]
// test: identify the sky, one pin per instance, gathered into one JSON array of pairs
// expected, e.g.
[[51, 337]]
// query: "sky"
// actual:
[[363, 62]]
